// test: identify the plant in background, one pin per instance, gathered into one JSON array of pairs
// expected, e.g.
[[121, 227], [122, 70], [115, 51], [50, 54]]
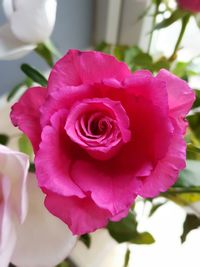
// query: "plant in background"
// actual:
[[29, 23]]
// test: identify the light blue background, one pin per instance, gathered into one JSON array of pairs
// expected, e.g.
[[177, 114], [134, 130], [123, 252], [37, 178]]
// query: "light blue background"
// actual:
[[73, 29]]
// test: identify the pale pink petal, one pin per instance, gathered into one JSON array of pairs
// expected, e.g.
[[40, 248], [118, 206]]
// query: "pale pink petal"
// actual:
[[25, 114], [7, 227], [14, 165], [43, 240], [81, 215], [180, 97], [89, 67]]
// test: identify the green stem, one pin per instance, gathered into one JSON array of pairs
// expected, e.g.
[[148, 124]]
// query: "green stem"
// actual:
[[181, 190], [184, 21], [153, 26]]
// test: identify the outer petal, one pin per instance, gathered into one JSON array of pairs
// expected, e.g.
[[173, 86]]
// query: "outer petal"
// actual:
[[112, 192], [192, 6], [77, 68], [43, 240], [14, 165], [81, 215], [25, 114], [180, 97], [11, 47], [167, 170], [7, 228], [34, 22], [54, 158]]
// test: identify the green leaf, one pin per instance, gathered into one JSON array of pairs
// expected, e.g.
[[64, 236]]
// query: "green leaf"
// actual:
[[119, 52], [126, 231], [176, 15], [127, 257], [144, 60], [123, 230], [14, 91], [103, 47], [192, 222], [192, 148], [143, 238], [4, 139], [34, 74], [130, 54], [155, 207], [32, 168], [25, 145], [64, 264], [43, 51], [86, 239], [162, 63], [27, 82], [197, 101]]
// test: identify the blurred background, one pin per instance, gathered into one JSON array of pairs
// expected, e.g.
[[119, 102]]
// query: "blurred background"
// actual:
[[82, 24]]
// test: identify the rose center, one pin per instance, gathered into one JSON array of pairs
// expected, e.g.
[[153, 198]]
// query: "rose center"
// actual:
[[100, 126]]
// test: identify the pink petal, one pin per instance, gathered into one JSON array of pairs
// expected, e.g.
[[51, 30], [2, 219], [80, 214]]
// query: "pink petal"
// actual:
[[14, 165], [53, 160], [180, 97], [81, 215], [109, 190], [43, 240], [115, 112], [25, 114], [63, 99], [167, 170], [77, 68]]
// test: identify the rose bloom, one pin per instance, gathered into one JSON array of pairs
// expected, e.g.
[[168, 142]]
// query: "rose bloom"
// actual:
[[189, 5], [103, 135]]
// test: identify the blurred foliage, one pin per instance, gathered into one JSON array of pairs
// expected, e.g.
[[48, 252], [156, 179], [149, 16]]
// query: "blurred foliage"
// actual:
[[34, 75], [4, 139], [25, 145], [191, 222], [135, 58], [86, 239], [126, 231]]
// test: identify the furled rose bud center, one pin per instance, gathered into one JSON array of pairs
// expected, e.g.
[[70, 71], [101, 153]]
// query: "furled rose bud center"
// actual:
[[99, 125]]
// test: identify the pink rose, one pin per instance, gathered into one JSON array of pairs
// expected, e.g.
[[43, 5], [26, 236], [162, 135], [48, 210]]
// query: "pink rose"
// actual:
[[189, 5], [103, 135]]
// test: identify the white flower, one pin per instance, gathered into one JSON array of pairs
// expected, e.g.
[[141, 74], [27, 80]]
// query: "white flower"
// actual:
[[29, 235], [29, 22]]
